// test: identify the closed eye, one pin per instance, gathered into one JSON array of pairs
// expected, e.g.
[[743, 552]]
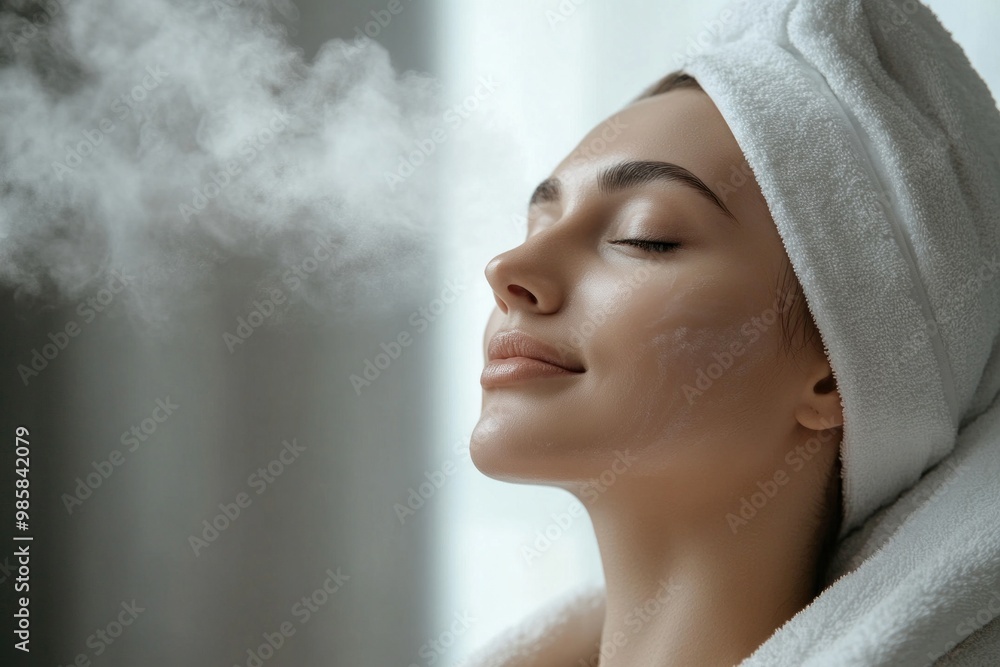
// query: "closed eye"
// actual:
[[649, 244]]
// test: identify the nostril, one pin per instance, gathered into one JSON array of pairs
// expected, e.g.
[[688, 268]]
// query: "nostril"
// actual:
[[517, 290]]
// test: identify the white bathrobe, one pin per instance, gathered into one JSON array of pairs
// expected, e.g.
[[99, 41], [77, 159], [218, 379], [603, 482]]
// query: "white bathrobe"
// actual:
[[877, 148]]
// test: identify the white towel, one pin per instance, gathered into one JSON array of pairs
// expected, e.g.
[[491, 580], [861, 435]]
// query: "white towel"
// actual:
[[877, 148]]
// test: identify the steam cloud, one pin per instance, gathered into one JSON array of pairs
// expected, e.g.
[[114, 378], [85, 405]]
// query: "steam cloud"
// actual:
[[163, 138]]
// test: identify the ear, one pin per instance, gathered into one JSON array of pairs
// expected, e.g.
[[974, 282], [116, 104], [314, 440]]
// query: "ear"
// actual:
[[820, 407]]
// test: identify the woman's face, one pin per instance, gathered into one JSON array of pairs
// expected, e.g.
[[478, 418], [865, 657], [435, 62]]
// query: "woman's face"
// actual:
[[684, 375]]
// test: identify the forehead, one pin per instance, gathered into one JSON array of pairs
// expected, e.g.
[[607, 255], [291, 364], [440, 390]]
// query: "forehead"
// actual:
[[683, 127]]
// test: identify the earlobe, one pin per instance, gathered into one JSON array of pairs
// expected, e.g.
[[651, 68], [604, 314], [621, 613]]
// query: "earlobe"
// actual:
[[821, 408]]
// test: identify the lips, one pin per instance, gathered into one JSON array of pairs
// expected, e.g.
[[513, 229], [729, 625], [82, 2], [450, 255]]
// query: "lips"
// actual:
[[515, 343]]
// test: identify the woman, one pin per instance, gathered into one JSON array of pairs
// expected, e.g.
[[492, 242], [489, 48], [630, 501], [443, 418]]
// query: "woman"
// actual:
[[685, 282], [726, 426]]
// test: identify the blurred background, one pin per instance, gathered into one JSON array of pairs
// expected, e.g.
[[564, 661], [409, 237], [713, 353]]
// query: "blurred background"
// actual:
[[243, 306]]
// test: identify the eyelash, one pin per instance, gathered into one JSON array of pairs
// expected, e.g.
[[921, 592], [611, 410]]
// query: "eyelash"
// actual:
[[649, 245]]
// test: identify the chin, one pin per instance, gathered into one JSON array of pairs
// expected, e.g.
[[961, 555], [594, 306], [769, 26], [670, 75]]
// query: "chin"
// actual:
[[518, 458], [492, 454]]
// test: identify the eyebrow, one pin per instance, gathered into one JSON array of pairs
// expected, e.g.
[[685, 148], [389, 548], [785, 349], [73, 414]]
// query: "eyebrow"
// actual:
[[631, 173]]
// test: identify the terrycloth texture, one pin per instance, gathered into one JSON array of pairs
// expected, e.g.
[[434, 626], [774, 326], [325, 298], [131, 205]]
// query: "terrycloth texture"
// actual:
[[540, 639], [920, 577], [877, 148]]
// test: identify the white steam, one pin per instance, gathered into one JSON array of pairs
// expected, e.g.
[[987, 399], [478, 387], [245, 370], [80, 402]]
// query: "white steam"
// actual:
[[164, 138]]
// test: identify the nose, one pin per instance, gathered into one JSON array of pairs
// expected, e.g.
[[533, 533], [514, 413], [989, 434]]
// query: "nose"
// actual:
[[526, 277]]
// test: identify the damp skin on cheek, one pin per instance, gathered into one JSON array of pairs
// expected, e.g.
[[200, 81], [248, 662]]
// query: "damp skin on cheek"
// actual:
[[693, 373]]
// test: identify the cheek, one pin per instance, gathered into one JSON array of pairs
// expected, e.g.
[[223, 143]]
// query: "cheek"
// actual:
[[693, 358]]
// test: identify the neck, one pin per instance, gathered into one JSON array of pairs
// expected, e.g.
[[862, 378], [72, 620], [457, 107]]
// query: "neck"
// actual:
[[696, 592]]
